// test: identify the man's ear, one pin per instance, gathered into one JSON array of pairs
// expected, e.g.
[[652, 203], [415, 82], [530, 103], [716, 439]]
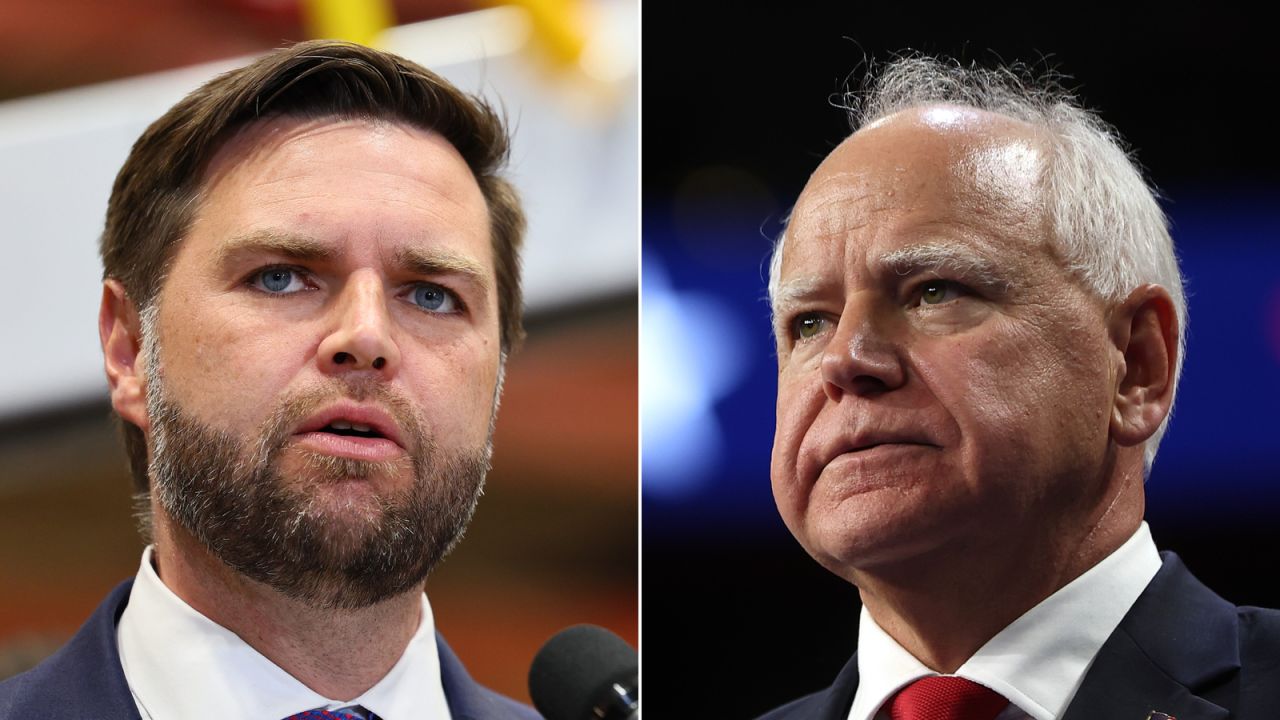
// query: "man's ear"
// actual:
[[1145, 331], [119, 329]]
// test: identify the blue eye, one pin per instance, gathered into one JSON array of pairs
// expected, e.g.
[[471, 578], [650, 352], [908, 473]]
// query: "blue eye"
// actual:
[[278, 280], [434, 298]]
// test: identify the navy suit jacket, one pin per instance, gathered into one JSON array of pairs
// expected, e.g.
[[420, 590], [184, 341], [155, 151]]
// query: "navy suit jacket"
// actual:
[[84, 680], [1181, 650]]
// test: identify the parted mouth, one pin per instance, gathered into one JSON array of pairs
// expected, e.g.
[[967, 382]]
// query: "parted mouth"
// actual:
[[353, 420]]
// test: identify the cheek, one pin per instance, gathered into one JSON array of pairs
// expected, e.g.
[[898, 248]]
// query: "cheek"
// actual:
[[453, 386], [225, 360], [1032, 398], [247, 388], [799, 399]]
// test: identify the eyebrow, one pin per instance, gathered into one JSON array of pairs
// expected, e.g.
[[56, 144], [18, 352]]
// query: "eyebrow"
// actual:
[[306, 249], [442, 262], [971, 265], [793, 291], [789, 294], [274, 242]]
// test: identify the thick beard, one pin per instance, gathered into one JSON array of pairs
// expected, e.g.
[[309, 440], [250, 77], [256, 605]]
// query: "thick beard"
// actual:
[[230, 494]]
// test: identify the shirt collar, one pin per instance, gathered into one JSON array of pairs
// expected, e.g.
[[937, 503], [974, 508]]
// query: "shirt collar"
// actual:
[[179, 663], [1040, 659]]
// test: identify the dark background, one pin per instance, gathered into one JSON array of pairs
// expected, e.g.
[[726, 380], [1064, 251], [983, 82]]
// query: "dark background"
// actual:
[[737, 618]]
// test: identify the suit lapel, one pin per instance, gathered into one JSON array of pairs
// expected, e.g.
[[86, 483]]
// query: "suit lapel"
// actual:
[[466, 702], [1175, 652], [84, 679], [835, 702], [1125, 684]]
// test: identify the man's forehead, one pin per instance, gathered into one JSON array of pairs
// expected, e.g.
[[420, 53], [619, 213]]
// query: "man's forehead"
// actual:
[[283, 127], [932, 160], [993, 153], [335, 189], [412, 150], [821, 210], [259, 137]]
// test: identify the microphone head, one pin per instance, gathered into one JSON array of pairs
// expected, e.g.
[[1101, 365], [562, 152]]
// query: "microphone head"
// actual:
[[582, 673]]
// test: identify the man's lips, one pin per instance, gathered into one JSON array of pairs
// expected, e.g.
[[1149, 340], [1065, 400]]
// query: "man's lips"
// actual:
[[357, 448], [363, 432], [866, 445], [866, 449]]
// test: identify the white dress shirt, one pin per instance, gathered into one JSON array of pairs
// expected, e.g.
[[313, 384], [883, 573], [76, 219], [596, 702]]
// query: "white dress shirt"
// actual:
[[180, 664], [1040, 659]]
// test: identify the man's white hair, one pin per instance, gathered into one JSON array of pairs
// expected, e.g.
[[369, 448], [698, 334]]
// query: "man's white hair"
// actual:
[[1108, 228]]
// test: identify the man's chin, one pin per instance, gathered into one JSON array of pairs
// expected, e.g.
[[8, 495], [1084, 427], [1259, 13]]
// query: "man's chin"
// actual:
[[347, 498], [347, 514], [310, 469], [871, 539]]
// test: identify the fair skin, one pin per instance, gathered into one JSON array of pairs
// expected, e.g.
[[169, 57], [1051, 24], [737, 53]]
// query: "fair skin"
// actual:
[[960, 423], [322, 250]]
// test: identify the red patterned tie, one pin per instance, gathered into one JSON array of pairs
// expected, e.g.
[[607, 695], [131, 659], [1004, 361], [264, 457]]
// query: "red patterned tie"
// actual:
[[946, 698]]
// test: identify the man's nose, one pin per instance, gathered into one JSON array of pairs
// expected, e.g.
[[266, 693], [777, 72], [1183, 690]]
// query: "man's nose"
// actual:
[[359, 337], [862, 358]]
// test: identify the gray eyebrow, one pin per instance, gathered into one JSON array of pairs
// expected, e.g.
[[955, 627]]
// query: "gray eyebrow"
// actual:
[[788, 294], [795, 289], [973, 266], [969, 264]]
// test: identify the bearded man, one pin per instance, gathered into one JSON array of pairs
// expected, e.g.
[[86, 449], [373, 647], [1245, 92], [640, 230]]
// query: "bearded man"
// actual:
[[311, 287]]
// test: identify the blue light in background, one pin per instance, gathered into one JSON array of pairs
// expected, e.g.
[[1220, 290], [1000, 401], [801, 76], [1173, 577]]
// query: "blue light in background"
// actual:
[[691, 356]]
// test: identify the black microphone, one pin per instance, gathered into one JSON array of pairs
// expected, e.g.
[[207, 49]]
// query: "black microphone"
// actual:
[[586, 673]]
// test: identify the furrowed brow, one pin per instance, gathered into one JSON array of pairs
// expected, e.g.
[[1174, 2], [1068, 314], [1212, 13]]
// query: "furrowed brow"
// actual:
[[271, 242], [438, 262], [961, 260]]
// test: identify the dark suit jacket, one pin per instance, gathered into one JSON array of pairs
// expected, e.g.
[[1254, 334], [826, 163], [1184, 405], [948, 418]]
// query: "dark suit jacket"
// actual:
[[84, 680], [1181, 650]]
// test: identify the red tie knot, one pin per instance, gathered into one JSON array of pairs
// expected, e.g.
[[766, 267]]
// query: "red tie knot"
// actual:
[[945, 697]]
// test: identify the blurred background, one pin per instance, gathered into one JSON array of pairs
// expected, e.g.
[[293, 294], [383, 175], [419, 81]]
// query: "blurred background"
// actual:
[[554, 540], [737, 113]]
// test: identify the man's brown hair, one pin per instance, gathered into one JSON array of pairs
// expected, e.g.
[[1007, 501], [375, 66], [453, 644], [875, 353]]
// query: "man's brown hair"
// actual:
[[158, 190]]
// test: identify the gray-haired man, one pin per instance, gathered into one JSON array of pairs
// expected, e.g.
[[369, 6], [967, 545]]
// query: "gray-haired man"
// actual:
[[979, 320]]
